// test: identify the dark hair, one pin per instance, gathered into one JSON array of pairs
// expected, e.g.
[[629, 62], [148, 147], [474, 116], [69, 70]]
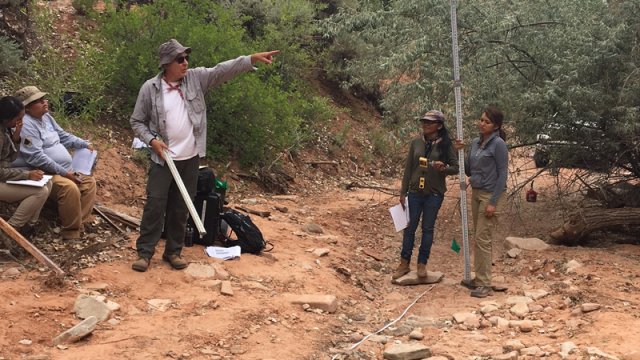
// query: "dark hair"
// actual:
[[495, 115], [10, 107], [444, 144]]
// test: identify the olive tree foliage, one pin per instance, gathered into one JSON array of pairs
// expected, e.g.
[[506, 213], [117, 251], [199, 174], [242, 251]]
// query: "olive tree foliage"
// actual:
[[565, 68]]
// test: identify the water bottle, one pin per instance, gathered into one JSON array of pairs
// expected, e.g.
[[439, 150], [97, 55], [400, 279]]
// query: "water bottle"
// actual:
[[188, 236]]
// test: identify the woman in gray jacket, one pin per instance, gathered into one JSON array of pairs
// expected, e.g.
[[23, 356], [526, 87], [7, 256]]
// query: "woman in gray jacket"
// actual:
[[487, 166]]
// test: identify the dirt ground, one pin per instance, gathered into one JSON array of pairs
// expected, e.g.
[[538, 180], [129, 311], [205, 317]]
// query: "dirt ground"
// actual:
[[258, 322]]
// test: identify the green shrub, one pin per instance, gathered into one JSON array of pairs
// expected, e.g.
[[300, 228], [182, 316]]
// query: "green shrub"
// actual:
[[10, 56], [83, 7]]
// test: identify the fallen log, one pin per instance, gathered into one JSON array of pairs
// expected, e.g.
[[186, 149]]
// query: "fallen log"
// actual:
[[322, 162], [255, 212], [117, 216], [588, 221], [107, 219], [29, 247]]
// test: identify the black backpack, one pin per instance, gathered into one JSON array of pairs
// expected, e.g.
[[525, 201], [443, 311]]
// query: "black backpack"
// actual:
[[250, 238], [206, 181]]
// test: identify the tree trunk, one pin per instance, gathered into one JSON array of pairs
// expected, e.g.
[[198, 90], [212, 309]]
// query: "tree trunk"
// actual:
[[588, 221]]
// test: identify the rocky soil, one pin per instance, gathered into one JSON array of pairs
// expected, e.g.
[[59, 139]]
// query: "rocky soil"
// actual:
[[324, 291]]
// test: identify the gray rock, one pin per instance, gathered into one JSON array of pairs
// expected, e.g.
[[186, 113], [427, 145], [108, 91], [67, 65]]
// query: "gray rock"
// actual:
[[526, 326], [11, 272], [328, 303], [378, 339], [313, 228], [420, 321], [588, 307], [513, 253], [159, 304], [519, 309], [597, 352], [412, 278], [96, 286], [38, 357], [321, 252], [513, 344], [212, 284], [536, 294], [487, 309], [200, 271], [87, 305], [512, 300], [531, 351], [77, 332], [513, 355], [412, 351], [535, 308], [572, 266], [461, 317], [566, 348], [416, 335], [226, 289], [254, 285], [534, 244]]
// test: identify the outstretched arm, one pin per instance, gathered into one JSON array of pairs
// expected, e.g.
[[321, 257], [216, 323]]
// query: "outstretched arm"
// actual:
[[264, 57]]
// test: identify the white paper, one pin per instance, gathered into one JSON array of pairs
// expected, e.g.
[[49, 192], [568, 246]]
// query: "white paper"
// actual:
[[39, 183], [83, 160], [400, 216], [224, 253], [138, 144]]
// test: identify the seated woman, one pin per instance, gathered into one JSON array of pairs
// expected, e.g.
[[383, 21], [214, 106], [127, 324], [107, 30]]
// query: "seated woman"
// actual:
[[31, 198]]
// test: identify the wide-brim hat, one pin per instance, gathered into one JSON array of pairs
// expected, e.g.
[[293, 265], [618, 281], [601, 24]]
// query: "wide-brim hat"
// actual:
[[169, 50], [433, 115], [29, 94]]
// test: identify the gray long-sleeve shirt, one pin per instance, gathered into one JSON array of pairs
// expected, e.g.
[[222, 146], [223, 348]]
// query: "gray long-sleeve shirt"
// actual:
[[44, 145], [487, 165], [148, 119]]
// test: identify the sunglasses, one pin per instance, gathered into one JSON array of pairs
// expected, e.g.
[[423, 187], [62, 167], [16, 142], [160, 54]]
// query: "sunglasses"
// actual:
[[430, 122], [181, 59]]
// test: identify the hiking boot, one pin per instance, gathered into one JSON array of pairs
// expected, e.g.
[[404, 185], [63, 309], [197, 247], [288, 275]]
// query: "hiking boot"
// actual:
[[481, 291], [142, 264], [403, 269], [422, 270], [473, 285], [175, 261]]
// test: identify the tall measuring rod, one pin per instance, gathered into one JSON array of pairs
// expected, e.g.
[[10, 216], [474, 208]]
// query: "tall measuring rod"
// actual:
[[459, 134]]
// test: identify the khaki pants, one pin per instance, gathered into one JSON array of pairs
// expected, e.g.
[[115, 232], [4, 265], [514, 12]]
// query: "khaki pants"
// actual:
[[484, 232], [75, 202], [31, 200]]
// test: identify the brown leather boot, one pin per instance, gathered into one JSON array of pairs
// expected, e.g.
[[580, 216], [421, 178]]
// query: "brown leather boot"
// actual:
[[422, 270], [403, 268]]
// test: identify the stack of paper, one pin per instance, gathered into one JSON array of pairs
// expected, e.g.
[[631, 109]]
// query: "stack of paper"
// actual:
[[38, 183], [224, 253], [400, 215], [83, 160]]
